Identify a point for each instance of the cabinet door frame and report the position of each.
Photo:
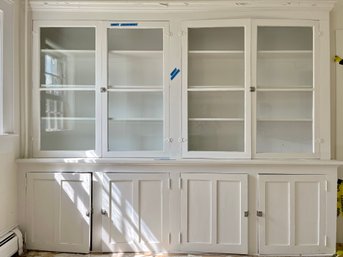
(165, 89)
(322, 247)
(106, 217)
(86, 208)
(316, 86)
(246, 24)
(214, 246)
(36, 121)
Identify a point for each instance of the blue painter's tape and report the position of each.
(175, 74)
(115, 24)
(128, 24)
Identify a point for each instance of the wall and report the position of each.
(337, 93)
(9, 143)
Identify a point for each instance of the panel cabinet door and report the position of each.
(215, 89)
(213, 210)
(135, 212)
(293, 214)
(58, 212)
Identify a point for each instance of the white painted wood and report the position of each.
(59, 211)
(294, 216)
(212, 212)
(137, 212)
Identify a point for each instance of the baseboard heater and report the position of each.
(11, 243)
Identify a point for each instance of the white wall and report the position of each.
(9, 144)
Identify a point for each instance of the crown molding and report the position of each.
(187, 5)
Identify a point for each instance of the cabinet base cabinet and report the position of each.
(135, 212)
(59, 211)
(213, 208)
(293, 214)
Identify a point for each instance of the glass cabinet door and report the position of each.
(136, 90)
(67, 83)
(285, 90)
(214, 89)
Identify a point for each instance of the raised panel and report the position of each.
(277, 213)
(151, 211)
(199, 211)
(43, 210)
(229, 199)
(307, 201)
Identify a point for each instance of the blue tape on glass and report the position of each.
(115, 24)
(175, 74)
(128, 24)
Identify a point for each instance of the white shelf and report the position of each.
(136, 52)
(216, 119)
(67, 87)
(69, 118)
(216, 52)
(134, 119)
(65, 51)
(284, 120)
(285, 89)
(262, 52)
(215, 88)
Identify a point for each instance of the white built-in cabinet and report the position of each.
(292, 214)
(59, 211)
(214, 212)
(135, 212)
(105, 89)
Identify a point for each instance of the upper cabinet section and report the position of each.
(227, 88)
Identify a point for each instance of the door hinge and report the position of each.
(180, 183)
(169, 183)
(180, 237)
(252, 89)
(259, 213)
(169, 238)
(246, 214)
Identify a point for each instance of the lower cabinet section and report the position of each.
(214, 210)
(59, 211)
(135, 212)
(292, 214)
(221, 212)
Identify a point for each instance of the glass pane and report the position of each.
(67, 120)
(135, 121)
(135, 58)
(216, 104)
(67, 135)
(284, 105)
(135, 135)
(216, 135)
(67, 57)
(216, 69)
(285, 57)
(216, 38)
(284, 137)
